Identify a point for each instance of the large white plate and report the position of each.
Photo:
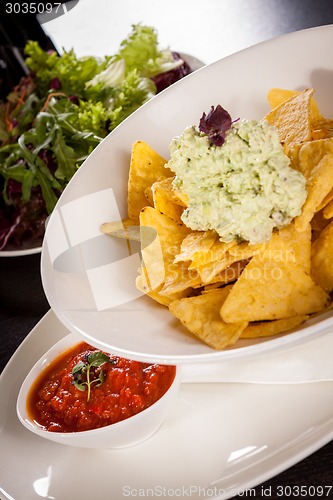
(89, 278)
(203, 446)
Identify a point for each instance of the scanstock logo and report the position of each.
(56, 9)
(90, 271)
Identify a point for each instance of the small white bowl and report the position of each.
(128, 432)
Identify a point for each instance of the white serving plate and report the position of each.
(88, 277)
(203, 447)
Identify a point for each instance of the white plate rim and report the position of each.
(20, 253)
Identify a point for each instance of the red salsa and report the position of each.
(59, 400)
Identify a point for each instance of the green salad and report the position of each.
(54, 118)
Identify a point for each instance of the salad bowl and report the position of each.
(63, 108)
(89, 278)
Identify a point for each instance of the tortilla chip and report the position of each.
(201, 316)
(293, 118)
(322, 129)
(310, 154)
(322, 259)
(121, 229)
(196, 245)
(211, 272)
(268, 328)
(164, 300)
(318, 223)
(230, 274)
(328, 210)
(165, 199)
(146, 167)
(216, 253)
(327, 200)
(149, 197)
(270, 290)
(277, 96)
(289, 245)
(223, 261)
(319, 185)
(161, 238)
(245, 250)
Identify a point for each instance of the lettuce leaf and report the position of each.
(71, 72)
(140, 51)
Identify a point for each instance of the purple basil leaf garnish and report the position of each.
(55, 83)
(215, 124)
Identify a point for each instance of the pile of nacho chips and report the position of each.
(222, 292)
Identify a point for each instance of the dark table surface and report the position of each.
(22, 299)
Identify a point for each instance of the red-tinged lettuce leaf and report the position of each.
(167, 78)
(8, 225)
(22, 222)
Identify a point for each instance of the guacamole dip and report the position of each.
(242, 189)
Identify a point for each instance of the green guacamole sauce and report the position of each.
(242, 189)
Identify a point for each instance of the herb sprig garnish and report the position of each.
(216, 124)
(85, 373)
